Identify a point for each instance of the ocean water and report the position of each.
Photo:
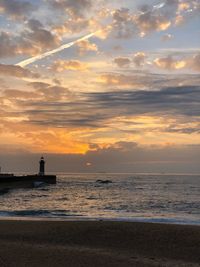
(130, 197)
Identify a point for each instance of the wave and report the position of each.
(38, 213)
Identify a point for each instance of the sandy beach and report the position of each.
(99, 243)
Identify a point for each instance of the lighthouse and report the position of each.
(42, 167)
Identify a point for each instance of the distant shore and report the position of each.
(98, 243)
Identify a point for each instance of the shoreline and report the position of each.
(99, 243)
(165, 221)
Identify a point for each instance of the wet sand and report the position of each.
(95, 244)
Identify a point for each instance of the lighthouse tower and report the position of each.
(42, 167)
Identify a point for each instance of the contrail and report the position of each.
(28, 61)
(156, 7)
(159, 6)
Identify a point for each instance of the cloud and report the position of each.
(13, 94)
(139, 59)
(17, 71)
(169, 63)
(122, 62)
(150, 21)
(93, 22)
(120, 80)
(72, 26)
(74, 65)
(81, 17)
(7, 48)
(120, 22)
(76, 8)
(48, 117)
(194, 63)
(56, 106)
(43, 92)
(47, 92)
(183, 6)
(38, 36)
(122, 25)
(85, 46)
(11, 45)
(16, 9)
(131, 157)
(173, 63)
(31, 41)
(147, 19)
(182, 128)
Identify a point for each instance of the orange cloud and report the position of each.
(126, 81)
(170, 63)
(85, 46)
(38, 139)
(74, 65)
(183, 6)
(149, 22)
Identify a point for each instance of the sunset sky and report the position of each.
(124, 99)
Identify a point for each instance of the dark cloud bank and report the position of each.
(121, 157)
(94, 109)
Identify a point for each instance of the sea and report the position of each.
(120, 197)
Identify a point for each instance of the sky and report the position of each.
(100, 86)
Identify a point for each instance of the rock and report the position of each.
(103, 181)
